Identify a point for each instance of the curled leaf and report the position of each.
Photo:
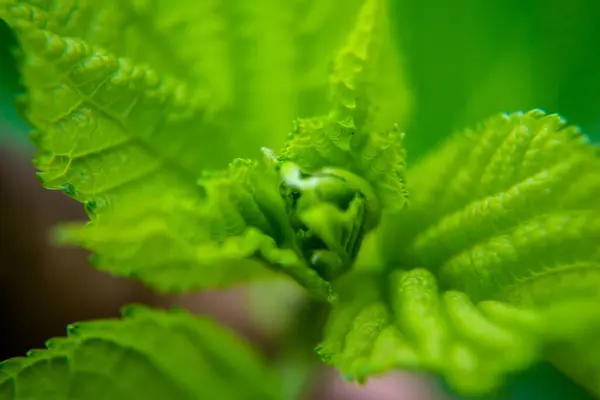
(355, 134)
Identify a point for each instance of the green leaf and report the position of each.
(255, 66)
(359, 134)
(484, 183)
(419, 327)
(340, 169)
(518, 206)
(129, 142)
(126, 126)
(179, 242)
(503, 225)
(148, 354)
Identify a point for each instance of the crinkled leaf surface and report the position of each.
(353, 148)
(360, 133)
(178, 242)
(253, 66)
(148, 354)
(131, 102)
(493, 264)
(499, 241)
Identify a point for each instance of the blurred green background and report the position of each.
(466, 60)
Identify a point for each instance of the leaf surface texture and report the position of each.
(148, 354)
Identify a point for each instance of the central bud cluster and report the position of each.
(330, 210)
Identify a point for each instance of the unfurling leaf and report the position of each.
(353, 135)
(146, 355)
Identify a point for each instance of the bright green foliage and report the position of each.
(350, 145)
(127, 125)
(493, 264)
(251, 68)
(148, 354)
(503, 227)
(238, 215)
(519, 203)
(355, 135)
(403, 321)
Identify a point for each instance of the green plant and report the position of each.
(132, 102)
